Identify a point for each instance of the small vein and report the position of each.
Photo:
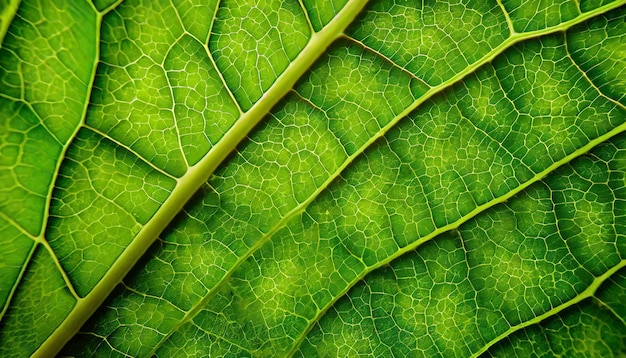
(182, 26)
(99, 194)
(586, 77)
(119, 144)
(608, 308)
(19, 227)
(306, 15)
(386, 59)
(172, 97)
(223, 80)
(221, 338)
(111, 7)
(42, 122)
(64, 275)
(212, 59)
(508, 18)
(17, 281)
(487, 134)
(321, 110)
(558, 224)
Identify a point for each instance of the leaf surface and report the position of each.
(304, 178)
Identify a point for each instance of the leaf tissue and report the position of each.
(313, 178)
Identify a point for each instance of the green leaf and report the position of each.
(312, 178)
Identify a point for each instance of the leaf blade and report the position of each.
(317, 172)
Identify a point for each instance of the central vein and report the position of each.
(197, 176)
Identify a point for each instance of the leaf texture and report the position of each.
(308, 178)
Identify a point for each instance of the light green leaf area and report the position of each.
(313, 178)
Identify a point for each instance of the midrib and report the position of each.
(196, 176)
